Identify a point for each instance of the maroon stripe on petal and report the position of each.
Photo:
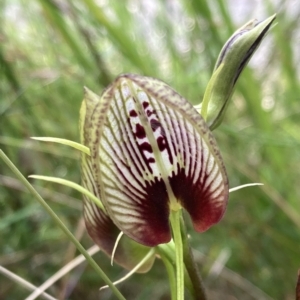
(200, 186)
(155, 212)
(204, 209)
(145, 221)
(104, 233)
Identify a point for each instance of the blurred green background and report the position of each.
(50, 49)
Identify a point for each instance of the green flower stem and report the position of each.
(61, 225)
(170, 270)
(167, 252)
(175, 224)
(191, 266)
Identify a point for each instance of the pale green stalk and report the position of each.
(191, 266)
(72, 185)
(66, 142)
(170, 270)
(175, 225)
(57, 220)
(167, 254)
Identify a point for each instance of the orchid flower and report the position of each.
(147, 154)
(151, 152)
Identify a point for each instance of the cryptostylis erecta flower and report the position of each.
(147, 153)
(150, 153)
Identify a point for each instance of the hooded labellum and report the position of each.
(151, 152)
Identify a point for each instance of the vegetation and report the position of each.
(50, 49)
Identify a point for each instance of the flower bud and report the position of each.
(232, 59)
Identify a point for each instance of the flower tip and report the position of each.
(41, 138)
(263, 27)
(273, 17)
(90, 97)
(267, 22)
(89, 94)
(86, 90)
